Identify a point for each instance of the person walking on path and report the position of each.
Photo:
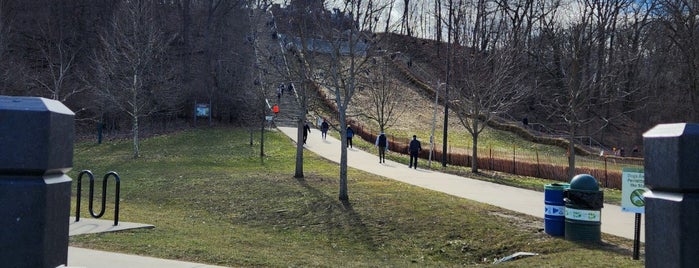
(306, 130)
(350, 134)
(279, 94)
(291, 88)
(414, 149)
(324, 129)
(382, 143)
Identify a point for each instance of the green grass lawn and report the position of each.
(214, 200)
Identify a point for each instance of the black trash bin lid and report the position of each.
(584, 182)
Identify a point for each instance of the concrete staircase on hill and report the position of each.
(288, 109)
(268, 38)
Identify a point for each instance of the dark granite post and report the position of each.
(36, 150)
(672, 205)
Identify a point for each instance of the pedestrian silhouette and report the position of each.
(324, 129)
(414, 149)
(350, 134)
(306, 130)
(382, 143)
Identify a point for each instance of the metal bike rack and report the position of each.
(104, 195)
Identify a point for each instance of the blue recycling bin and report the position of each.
(554, 208)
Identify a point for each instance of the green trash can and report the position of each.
(583, 204)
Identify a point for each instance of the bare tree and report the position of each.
(388, 16)
(582, 74)
(438, 25)
(185, 10)
(12, 66)
(216, 54)
(405, 19)
(260, 84)
(572, 78)
(372, 12)
(491, 84)
(290, 57)
(384, 95)
(682, 23)
(348, 53)
(130, 64)
(521, 16)
(302, 66)
(58, 53)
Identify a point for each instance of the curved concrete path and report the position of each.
(614, 221)
(88, 258)
(81, 257)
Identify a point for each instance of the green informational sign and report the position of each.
(632, 189)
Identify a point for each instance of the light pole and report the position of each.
(446, 88)
(434, 121)
(446, 124)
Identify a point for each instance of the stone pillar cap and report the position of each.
(36, 136)
(671, 161)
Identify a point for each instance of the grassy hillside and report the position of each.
(504, 147)
(214, 200)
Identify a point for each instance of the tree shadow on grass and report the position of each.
(614, 244)
(339, 218)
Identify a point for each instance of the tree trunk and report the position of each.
(299, 148)
(474, 135)
(136, 150)
(262, 139)
(388, 19)
(303, 95)
(474, 166)
(343, 155)
(571, 153)
(134, 113)
(446, 88)
(186, 57)
(405, 20)
(438, 25)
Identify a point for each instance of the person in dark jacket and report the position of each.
(324, 129)
(306, 130)
(350, 134)
(414, 149)
(382, 143)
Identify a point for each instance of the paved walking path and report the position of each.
(520, 200)
(93, 226)
(88, 258)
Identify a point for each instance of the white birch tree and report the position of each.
(129, 64)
